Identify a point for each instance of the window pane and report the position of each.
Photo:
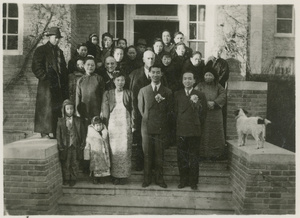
(120, 29)
(193, 31)
(198, 46)
(4, 25)
(12, 42)
(111, 12)
(111, 28)
(193, 12)
(284, 26)
(284, 65)
(12, 10)
(201, 29)
(4, 10)
(285, 11)
(201, 13)
(163, 10)
(4, 42)
(13, 26)
(120, 12)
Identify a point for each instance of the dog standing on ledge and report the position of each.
(256, 126)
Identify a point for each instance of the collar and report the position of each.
(146, 72)
(189, 91)
(110, 74)
(157, 85)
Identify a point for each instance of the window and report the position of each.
(116, 20)
(285, 18)
(12, 36)
(284, 66)
(197, 27)
(156, 10)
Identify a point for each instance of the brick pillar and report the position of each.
(262, 180)
(251, 96)
(32, 177)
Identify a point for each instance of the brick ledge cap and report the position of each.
(247, 85)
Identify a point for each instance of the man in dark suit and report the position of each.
(49, 66)
(190, 109)
(139, 78)
(155, 106)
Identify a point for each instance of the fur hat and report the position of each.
(141, 42)
(213, 72)
(66, 102)
(54, 31)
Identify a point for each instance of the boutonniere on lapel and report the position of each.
(159, 98)
(195, 101)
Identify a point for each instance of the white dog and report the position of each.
(256, 126)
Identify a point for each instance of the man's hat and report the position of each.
(141, 42)
(54, 31)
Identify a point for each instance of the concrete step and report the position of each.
(119, 205)
(208, 176)
(135, 189)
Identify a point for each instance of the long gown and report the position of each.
(120, 139)
(213, 139)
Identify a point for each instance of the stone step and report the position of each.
(210, 176)
(135, 189)
(119, 205)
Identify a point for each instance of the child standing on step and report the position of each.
(96, 150)
(70, 141)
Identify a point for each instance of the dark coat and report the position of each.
(221, 67)
(109, 103)
(198, 71)
(52, 87)
(79, 135)
(190, 116)
(155, 116)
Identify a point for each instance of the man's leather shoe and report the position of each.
(145, 184)
(182, 185)
(163, 185)
(194, 187)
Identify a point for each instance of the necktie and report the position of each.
(187, 93)
(155, 89)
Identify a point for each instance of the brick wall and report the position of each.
(32, 177)
(251, 96)
(263, 181)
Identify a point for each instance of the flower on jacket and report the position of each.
(194, 98)
(159, 98)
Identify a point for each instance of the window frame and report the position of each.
(292, 34)
(20, 19)
(115, 21)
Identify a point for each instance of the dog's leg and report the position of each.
(244, 139)
(262, 139)
(257, 139)
(240, 138)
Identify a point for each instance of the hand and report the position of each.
(211, 105)
(101, 115)
(133, 129)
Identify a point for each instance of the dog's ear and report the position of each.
(246, 112)
(267, 121)
(236, 112)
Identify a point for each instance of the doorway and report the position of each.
(149, 29)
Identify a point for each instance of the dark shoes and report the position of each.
(182, 185)
(163, 185)
(65, 182)
(194, 187)
(145, 184)
(72, 182)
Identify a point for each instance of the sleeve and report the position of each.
(224, 74)
(78, 97)
(170, 106)
(105, 107)
(141, 103)
(60, 144)
(133, 111)
(64, 77)
(82, 133)
(221, 98)
(39, 64)
(203, 111)
(101, 87)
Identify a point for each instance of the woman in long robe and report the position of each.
(213, 139)
(118, 113)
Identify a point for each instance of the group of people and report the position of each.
(111, 97)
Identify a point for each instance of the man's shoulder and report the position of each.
(136, 72)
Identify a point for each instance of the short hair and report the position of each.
(188, 72)
(179, 44)
(196, 52)
(117, 47)
(96, 120)
(93, 35)
(178, 33)
(157, 40)
(118, 74)
(155, 66)
(129, 47)
(89, 57)
(109, 57)
(81, 45)
(167, 54)
(165, 30)
(79, 59)
(123, 40)
(108, 35)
